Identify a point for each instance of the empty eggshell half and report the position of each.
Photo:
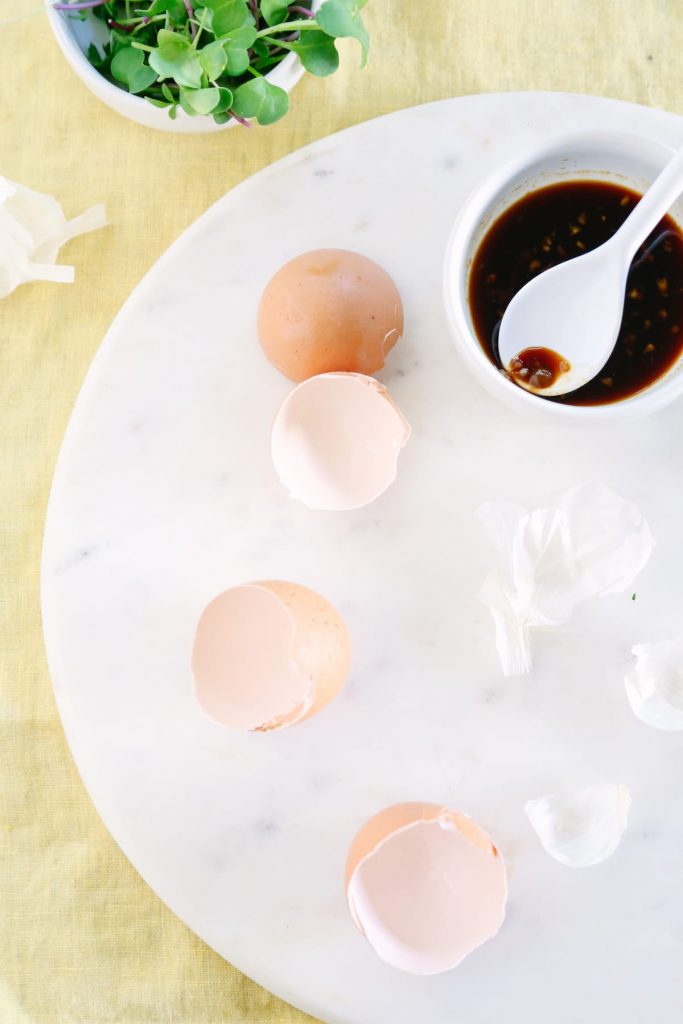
(268, 654)
(328, 310)
(336, 441)
(425, 886)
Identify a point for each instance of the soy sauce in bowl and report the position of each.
(558, 222)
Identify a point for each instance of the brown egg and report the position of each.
(329, 310)
(268, 654)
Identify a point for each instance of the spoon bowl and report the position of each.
(575, 309)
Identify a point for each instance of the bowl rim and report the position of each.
(457, 260)
(286, 74)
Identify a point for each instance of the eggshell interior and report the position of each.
(426, 886)
(328, 310)
(336, 440)
(268, 654)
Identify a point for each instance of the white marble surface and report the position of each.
(164, 495)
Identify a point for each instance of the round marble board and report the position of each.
(165, 495)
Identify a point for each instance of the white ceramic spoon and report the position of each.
(575, 309)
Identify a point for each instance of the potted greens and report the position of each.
(202, 65)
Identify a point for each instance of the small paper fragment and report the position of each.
(588, 542)
(582, 828)
(32, 230)
(654, 685)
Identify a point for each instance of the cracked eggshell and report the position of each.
(425, 886)
(582, 828)
(654, 685)
(269, 654)
(336, 441)
(329, 310)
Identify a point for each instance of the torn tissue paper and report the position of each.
(655, 684)
(582, 828)
(32, 230)
(586, 543)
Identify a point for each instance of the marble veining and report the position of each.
(165, 481)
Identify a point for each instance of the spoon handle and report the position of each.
(659, 198)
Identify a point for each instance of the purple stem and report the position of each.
(302, 10)
(121, 28)
(84, 5)
(190, 14)
(240, 120)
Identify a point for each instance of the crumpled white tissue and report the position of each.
(655, 684)
(581, 828)
(32, 230)
(586, 543)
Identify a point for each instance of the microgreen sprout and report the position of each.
(212, 57)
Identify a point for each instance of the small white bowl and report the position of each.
(627, 160)
(75, 36)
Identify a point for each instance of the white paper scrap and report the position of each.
(654, 685)
(586, 543)
(582, 828)
(32, 230)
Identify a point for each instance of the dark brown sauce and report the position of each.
(554, 224)
(537, 367)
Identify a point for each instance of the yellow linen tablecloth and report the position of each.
(82, 938)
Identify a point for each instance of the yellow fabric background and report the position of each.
(82, 939)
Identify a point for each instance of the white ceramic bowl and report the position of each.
(74, 37)
(625, 159)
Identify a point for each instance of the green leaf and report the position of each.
(317, 52)
(260, 48)
(204, 16)
(274, 11)
(213, 60)
(236, 46)
(172, 46)
(141, 79)
(203, 101)
(100, 60)
(241, 38)
(341, 19)
(175, 9)
(224, 102)
(167, 93)
(228, 15)
(238, 62)
(125, 62)
(173, 111)
(259, 99)
(126, 65)
(221, 117)
(185, 103)
(155, 102)
(187, 73)
(176, 59)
